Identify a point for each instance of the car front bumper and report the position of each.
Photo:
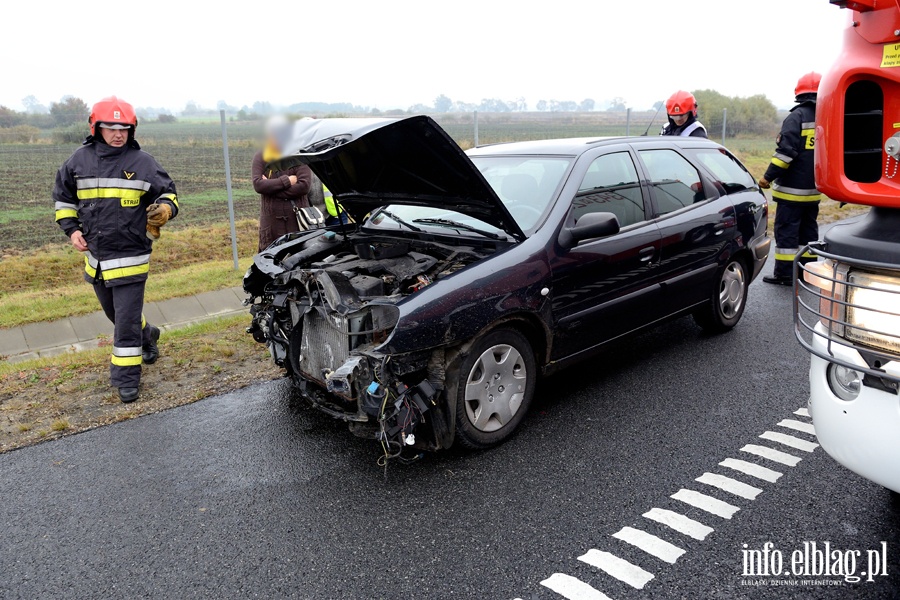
(863, 435)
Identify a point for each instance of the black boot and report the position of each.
(151, 349)
(128, 394)
(777, 280)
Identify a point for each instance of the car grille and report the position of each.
(324, 346)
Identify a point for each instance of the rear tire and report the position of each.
(494, 389)
(727, 300)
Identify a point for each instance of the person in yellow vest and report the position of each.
(336, 213)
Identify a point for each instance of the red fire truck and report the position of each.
(847, 304)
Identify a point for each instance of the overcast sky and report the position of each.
(393, 54)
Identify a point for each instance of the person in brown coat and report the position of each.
(278, 188)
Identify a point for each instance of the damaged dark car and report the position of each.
(464, 277)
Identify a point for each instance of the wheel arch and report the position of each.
(527, 324)
(746, 257)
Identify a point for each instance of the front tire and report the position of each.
(495, 388)
(727, 300)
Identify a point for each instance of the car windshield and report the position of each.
(525, 184)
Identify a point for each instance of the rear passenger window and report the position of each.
(611, 185)
(729, 173)
(676, 182)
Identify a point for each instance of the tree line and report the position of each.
(68, 120)
(754, 115)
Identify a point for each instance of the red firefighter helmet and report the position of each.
(681, 103)
(808, 84)
(114, 111)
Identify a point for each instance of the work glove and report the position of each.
(763, 183)
(157, 216)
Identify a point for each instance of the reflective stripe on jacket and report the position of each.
(792, 171)
(104, 192)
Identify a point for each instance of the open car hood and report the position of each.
(368, 163)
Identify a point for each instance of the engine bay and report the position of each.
(324, 303)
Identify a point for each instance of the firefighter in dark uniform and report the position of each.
(111, 198)
(792, 179)
(681, 107)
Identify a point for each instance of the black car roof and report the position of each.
(578, 146)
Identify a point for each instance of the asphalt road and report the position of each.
(251, 495)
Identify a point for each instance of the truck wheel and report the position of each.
(727, 301)
(495, 388)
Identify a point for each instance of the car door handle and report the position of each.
(647, 253)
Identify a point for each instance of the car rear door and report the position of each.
(696, 225)
(605, 287)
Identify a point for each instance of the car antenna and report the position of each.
(658, 108)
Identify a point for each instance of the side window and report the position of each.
(729, 173)
(676, 182)
(611, 184)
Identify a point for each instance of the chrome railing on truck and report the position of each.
(852, 303)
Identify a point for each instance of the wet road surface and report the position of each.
(252, 495)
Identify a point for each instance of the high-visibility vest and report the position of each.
(330, 204)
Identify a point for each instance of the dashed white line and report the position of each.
(798, 426)
(680, 523)
(707, 503)
(773, 455)
(650, 544)
(572, 588)
(789, 440)
(732, 486)
(751, 469)
(621, 569)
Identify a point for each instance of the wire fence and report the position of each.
(192, 153)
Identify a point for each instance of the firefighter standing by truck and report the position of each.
(111, 198)
(792, 179)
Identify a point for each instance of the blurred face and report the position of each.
(679, 120)
(114, 137)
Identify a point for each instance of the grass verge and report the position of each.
(50, 397)
(48, 284)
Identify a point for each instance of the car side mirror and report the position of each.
(588, 227)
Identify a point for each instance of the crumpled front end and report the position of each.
(325, 306)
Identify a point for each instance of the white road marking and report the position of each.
(650, 544)
(633, 575)
(773, 455)
(732, 486)
(798, 426)
(572, 588)
(679, 523)
(751, 469)
(621, 569)
(789, 440)
(707, 503)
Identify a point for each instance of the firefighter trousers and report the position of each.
(124, 305)
(795, 226)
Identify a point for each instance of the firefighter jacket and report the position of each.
(104, 192)
(792, 168)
